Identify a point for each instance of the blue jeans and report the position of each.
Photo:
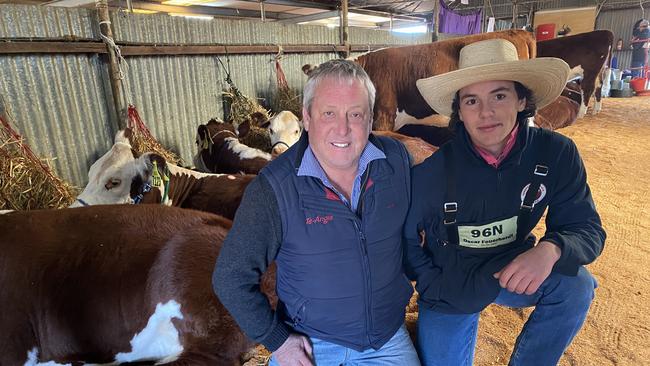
(561, 306)
(398, 350)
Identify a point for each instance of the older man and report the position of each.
(330, 212)
(480, 197)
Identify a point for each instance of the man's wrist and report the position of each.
(551, 248)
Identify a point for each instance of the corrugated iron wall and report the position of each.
(62, 104)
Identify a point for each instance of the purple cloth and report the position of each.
(451, 22)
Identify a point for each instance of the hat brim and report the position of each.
(545, 77)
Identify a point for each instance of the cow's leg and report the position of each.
(598, 96)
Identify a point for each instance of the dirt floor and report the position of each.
(614, 147)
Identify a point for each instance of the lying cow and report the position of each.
(220, 151)
(216, 193)
(568, 107)
(590, 51)
(114, 284)
(394, 72)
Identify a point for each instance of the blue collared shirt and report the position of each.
(312, 168)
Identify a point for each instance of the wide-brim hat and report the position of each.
(495, 59)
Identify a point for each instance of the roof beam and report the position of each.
(311, 17)
(199, 10)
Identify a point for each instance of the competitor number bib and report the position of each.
(488, 235)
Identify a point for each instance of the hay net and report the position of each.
(26, 181)
(142, 140)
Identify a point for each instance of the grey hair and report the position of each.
(344, 70)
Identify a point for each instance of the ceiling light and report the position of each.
(202, 17)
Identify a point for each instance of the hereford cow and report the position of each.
(220, 151)
(284, 129)
(114, 284)
(216, 193)
(394, 72)
(588, 50)
(564, 110)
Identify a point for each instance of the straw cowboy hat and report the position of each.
(495, 59)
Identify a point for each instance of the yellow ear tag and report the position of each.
(156, 180)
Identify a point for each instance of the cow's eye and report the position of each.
(271, 131)
(114, 182)
(296, 132)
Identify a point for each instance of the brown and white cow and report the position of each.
(590, 51)
(114, 284)
(216, 193)
(568, 107)
(220, 151)
(394, 72)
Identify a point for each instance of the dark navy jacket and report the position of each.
(456, 278)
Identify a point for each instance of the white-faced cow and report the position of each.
(220, 151)
(394, 72)
(173, 186)
(114, 284)
(590, 51)
(284, 129)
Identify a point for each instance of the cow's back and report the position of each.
(394, 71)
(78, 284)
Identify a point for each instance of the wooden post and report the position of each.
(344, 27)
(113, 68)
(434, 20)
(514, 14)
(262, 11)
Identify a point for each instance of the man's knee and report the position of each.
(580, 288)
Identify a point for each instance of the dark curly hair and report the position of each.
(522, 92)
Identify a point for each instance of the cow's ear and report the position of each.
(159, 159)
(258, 118)
(308, 69)
(244, 128)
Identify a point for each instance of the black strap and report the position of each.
(538, 175)
(450, 207)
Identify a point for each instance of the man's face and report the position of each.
(338, 124)
(489, 110)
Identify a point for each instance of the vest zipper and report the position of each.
(366, 275)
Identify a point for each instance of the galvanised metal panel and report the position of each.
(165, 29)
(28, 21)
(372, 36)
(59, 106)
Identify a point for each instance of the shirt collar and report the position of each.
(510, 143)
(311, 167)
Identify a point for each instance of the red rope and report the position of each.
(282, 80)
(136, 123)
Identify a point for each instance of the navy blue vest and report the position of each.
(340, 275)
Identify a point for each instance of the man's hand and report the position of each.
(295, 351)
(527, 272)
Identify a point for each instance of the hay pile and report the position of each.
(286, 99)
(142, 140)
(27, 182)
(242, 107)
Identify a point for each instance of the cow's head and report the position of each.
(284, 129)
(117, 177)
(209, 138)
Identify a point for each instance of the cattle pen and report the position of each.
(67, 93)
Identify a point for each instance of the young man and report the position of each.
(330, 212)
(639, 43)
(478, 199)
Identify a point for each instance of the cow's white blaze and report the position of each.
(32, 360)
(285, 128)
(159, 339)
(402, 118)
(245, 152)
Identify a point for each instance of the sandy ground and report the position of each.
(614, 147)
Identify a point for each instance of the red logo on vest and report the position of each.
(319, 220)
